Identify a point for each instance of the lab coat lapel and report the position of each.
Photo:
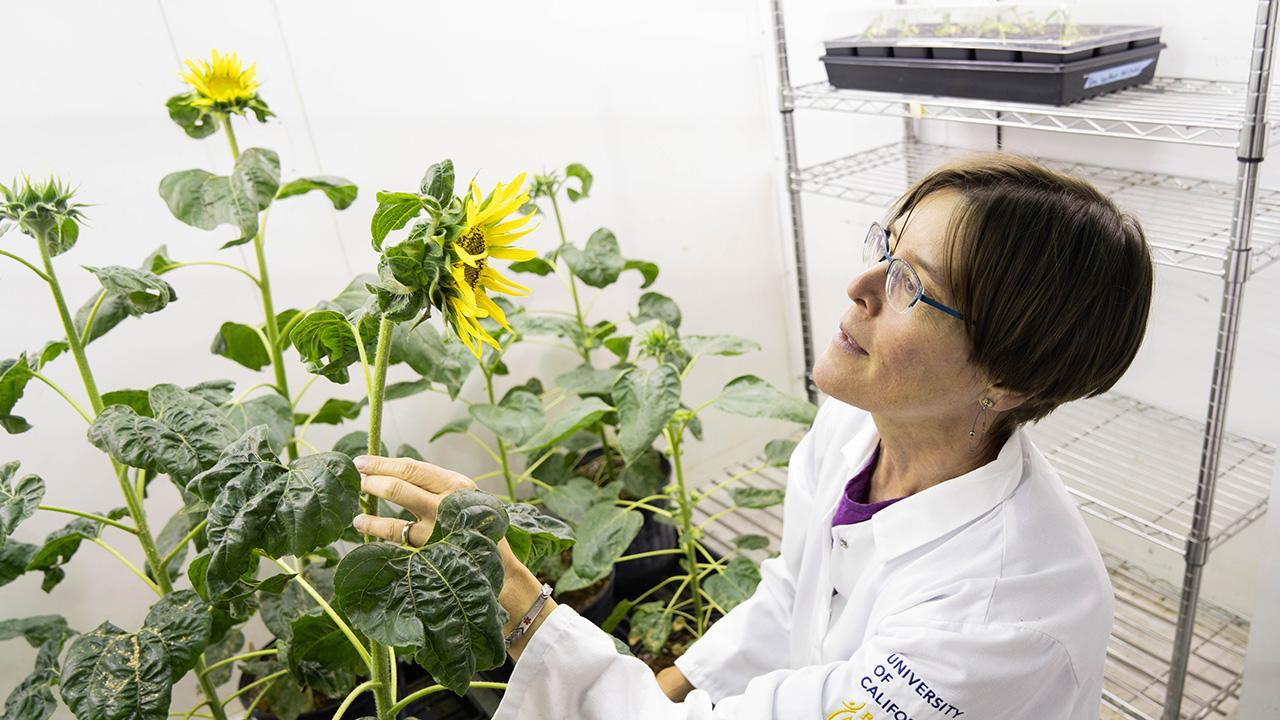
(936, 511)
(812, 616)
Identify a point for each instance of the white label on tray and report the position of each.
(1116, 74)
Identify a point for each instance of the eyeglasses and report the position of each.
(902, 284)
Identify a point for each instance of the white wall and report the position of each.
(671, 104)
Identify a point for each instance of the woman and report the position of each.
(932, 564)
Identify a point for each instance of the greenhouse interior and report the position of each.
(777, 359)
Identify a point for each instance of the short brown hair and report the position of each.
(1054, 280)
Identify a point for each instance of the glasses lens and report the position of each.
(901, 286)
(875, 247)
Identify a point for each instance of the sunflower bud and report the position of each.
(43, 210)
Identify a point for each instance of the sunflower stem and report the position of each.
(687, 538)
(502, 448)
(225, 120)
(582, 330)
(379, 661)
(133, 500)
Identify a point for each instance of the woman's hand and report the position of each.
(414, 485)
(419, 487)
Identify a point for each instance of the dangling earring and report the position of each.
(975, 438)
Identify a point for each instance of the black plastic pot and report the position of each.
(636, 576)
(410, 677)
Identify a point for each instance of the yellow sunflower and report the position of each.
(223, 84)
(488, 236)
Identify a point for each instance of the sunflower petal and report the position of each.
(491, 278)
(512, 253)
(494, 310)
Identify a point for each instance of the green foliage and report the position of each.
(204, 200)
(729, 587)
(18, 500)
(753, 397)
(258, 503)
(439, 600)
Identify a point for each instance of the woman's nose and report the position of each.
(866, 289)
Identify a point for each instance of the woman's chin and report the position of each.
(835, 372)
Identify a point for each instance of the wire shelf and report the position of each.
(1136, 467)
(1176, 110)
(1187, 220)
(1138, 654)
(1146, 612)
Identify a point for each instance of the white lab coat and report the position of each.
(983, 597)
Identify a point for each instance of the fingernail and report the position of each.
(360, 522)
(361, 462)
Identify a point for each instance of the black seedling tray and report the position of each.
(1019, 75)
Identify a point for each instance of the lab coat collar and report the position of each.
(936, 511)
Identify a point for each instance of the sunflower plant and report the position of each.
(252, 495)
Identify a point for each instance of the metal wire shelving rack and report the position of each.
(1184, 485)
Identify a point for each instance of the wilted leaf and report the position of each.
(205, 200)
(600, 263)
(651, 625)
(142, 292)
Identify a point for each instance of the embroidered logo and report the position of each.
(849, 711)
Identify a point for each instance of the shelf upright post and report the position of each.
(1250, 152)
(786, 106)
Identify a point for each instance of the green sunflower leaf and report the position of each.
(440, 599)
(183, 622)
(18, 501)
(395, 210)
(646, 400)
(241, 343)
(204, 200)
(600, 263)
(340, 191)
(14, 376)
(656, 306)
(327, 343)
(753, 397)
(757, 498)
(579, 171)
(185, 436)
(651, 625)
(516, 419)
(271, 410)
(646, 269)
(143, 292)
(583, 414)
(534, 535)
(602, 537)
(729, 587)
(438, 181)
(777, 453)
(257, 503)
(718, 345)
(110, 673)
(196, 122)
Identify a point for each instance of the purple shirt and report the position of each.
(853, 507)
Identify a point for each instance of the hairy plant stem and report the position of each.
(264, 288)
(687, 539)
(582, 328)
(379, 660)
(132, 499)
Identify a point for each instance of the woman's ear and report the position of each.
(1005, 399)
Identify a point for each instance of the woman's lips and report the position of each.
(847, 344)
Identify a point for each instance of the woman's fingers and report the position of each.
(402, 493)
(392, 528)
(425, 475)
